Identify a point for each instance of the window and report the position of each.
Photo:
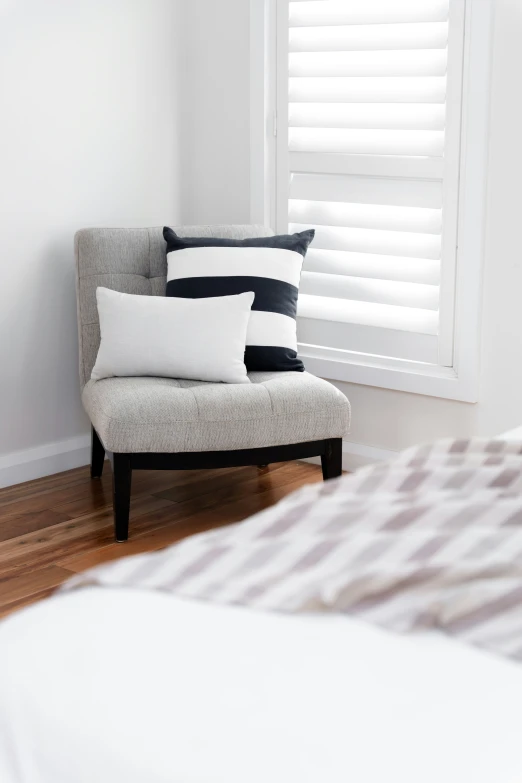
(373, 107)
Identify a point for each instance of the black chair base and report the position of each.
(329, 450)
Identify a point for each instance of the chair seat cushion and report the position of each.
(170, 416)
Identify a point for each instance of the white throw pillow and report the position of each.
(202, 339)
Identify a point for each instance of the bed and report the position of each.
(142, 687)
(111, 682)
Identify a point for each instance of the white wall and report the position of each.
(215, 111)
(381, 418)
(88, 137)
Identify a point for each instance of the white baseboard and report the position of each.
(44, 460)
(356, 455)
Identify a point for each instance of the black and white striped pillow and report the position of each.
(268, 266)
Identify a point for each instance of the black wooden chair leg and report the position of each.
(121, 489)
(97, 455)
(332, 459)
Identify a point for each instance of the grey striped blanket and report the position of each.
(431, 539)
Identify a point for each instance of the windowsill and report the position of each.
(389, 373)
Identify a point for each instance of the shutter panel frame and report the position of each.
(363, 159)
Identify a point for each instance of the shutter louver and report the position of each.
(361, 158)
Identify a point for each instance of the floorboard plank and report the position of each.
(244, 480)
(23, 524)
(50, 498)
(17, 491)
(25, 585)
(89, 532)
(156, 481)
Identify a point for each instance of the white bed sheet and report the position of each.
(515, 434)
(103, 686)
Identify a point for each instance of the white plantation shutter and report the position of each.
(368, 118)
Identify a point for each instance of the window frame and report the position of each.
(460, 347)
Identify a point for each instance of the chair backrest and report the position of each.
(131, 260)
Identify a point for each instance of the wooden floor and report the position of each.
(56, 526)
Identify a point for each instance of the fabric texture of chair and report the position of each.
(164, 415)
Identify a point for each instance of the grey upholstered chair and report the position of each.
(162, 423)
